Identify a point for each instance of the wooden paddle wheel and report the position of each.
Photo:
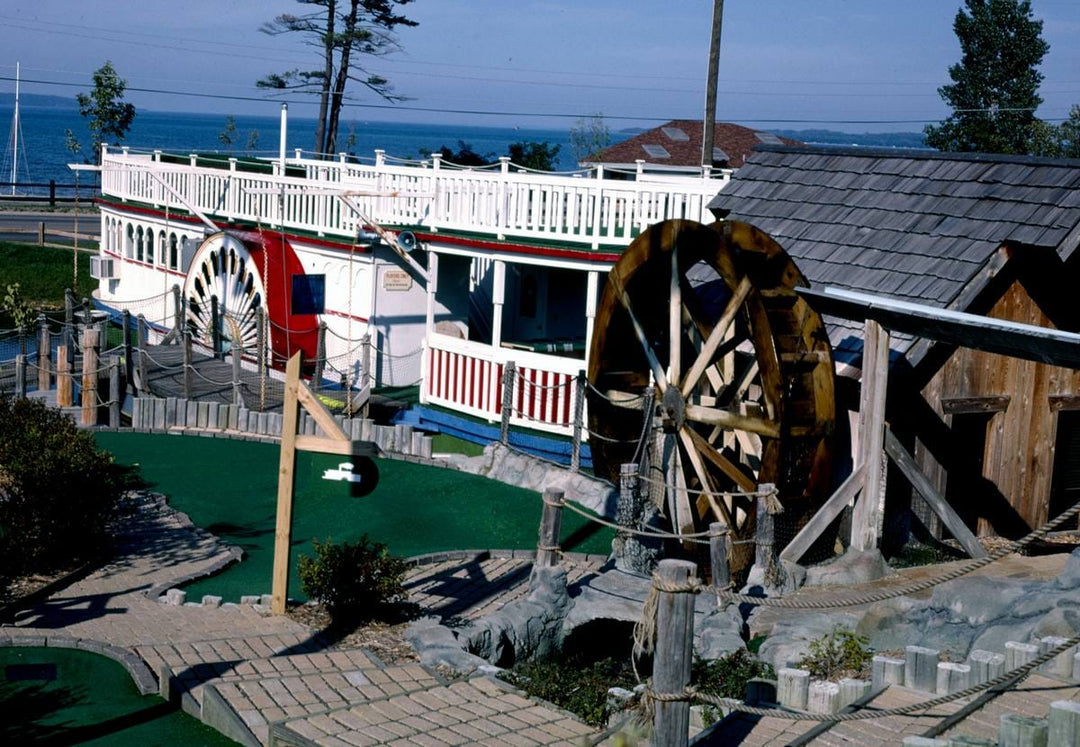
(740, 369)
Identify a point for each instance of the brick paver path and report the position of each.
(248, 673)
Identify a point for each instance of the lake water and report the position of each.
(43, 134)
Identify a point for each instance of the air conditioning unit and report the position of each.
(103, 268)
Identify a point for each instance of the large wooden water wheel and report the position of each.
(740, 369)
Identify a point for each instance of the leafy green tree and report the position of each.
(228, 134)
(464, 156)
(344, 31)
(108, 116)
(589, 135)
(1068, 135)
(252, 141)
(537, 156)
(17, 307)
(994, 93)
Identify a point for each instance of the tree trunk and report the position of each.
(338, 97)
(328, 74)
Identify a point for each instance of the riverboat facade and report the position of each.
(415, 272)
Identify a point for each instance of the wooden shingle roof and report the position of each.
(913, 225)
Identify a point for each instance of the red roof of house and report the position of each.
(680, 140)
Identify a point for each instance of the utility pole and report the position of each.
(710, 90)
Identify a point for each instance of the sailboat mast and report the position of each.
(15, 134)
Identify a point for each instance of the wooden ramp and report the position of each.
(210, 380)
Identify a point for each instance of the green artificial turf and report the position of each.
(230, 488)
(42, 273)
(91, 700)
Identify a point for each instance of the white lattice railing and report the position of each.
(468, 377)
(584, 210)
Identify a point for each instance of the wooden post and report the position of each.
(286, 485)
(20, 376)
(866, 517)
(114, 393)
(320, 358)
(579, 414)
(1064, 722)
(69, 307)
(719, 542)
(129, 363)
(367, 378)
(671, 661)
(547, 549)
(88, 317)
(143, 339)
(89, 376)
(44, 357)
(178, 313)
(187, 365)
(21, 339)
(215, 327)
(765, 532)
(41, 233)
(52, 193)
(63, 377)
(509, 377)
(237, 384)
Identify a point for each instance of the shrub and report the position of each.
(58, 493)
(726, 677)
(573, 683)
(838, 653)
(355, 580)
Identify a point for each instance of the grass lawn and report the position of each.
(42, 273)
(230, 488)
(55, 696)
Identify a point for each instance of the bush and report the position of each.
(726, 677)
(354, 580)
(839, 653)
(58, 493)
(573, 683)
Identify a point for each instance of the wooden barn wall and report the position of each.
(1018, 457)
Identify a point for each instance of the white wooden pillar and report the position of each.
(592, 285)
(866, 518)
(432, 289)
(498, 297)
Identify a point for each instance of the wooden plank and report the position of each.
(825, 516)
(966, 405)
(906, 463)
(318, 411)
(286, 486)
(325, 445)
(875, 377)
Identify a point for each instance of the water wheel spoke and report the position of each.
(721, 462)
(639, 333)
(678, 499)
(720, 510)
(675, 319)
(716, 337)
(732, 420)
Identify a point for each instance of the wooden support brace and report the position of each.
(286, 486)
(825, 516)
(866, 517)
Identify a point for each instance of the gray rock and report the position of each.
(853, 567)
(719, 633)
(790, 638)
(438, 646)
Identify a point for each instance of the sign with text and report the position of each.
(396, 280)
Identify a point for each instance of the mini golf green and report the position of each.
(57, 696)
(230, 488)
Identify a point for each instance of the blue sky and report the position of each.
(855, 65)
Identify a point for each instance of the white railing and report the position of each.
(468, 377)
(504, 203)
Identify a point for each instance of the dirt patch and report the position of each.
(385, 640)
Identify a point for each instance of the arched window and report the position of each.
(140, 254)
(163, 258)
(129, 244)
(150, 245)
(174, 254)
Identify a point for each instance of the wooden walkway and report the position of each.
(973, 717)
(211, 379)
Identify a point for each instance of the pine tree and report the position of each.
(109, 116)
(994, 93)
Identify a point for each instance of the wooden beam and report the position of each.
(1064, 402)
(286, 486)
(825, 516)
(318, 411)
(973, 405)
(335, 446)
(875, 376)
(910, 469)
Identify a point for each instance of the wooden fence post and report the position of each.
(866, 516)
(547, 549)
(579, 414)
(215, 327)
(719, 542)
(178, 313)
(63, 377)
(114, 393)
(142, 341)
(41, 233)
(129, 364)
(20, 376)
(187, 365)
(69, 307)
(320, 358)
(671, 660)
(765, 532)
(89, 376)
(88, 317)
(44, 357)
(509, 377)
(367, 378)
(237, 384)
